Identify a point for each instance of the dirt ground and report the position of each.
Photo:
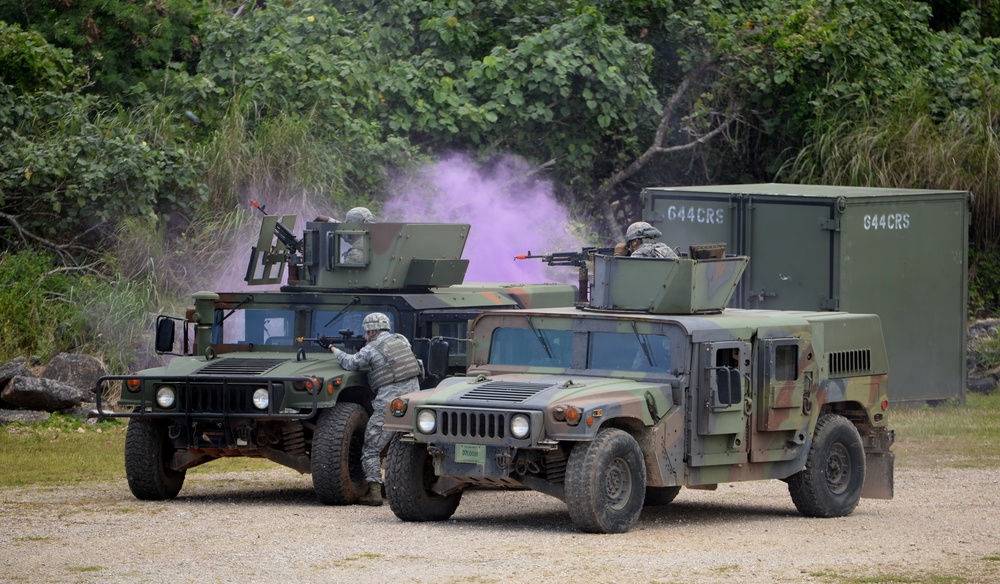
(943, 526)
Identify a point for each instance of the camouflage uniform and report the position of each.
(388, 357)
(356, 255)
(654, 249)
(644, 234)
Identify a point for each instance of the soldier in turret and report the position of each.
(393, 370)
(639, 242)
(356, 254)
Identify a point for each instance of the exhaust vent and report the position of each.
(848, 363)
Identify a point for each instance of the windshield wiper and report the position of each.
(352, 302)
(235, 308)
(541, 339)
(642, 343)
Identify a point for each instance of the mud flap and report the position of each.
(879, 468)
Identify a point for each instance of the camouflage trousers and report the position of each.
(375, 438)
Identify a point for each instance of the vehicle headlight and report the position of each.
(520, 426)
(427, 421)
(261, 399)
(166, 396)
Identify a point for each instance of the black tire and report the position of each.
(338, 477)
(831, 483)
(409, 475)
(147, 452)
(606, 483)
(659, 496)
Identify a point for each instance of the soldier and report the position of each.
(639, 242)
(392, 371)
(356, 254)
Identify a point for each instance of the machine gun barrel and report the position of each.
(283, 234)
(578, 259)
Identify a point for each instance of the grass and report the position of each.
(949, 435)
(66, 451)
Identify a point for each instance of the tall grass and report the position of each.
(261, 152)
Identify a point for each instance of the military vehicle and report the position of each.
(649, 387)
(252, 378)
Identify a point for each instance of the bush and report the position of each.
(29, 63)
(68, 164)
(38, 314)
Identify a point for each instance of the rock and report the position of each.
(983, 385)
(984, 328)
(26, 416)
(34, 393)
(86, 412)
(12, 369)
(80, 371)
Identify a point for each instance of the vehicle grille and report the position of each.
(239, 366)
(465, 424)
(504, 391)
(208, 397)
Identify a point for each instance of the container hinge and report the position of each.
(830, 224)
(829, 304)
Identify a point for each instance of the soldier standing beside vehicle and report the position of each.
(639, 242)
(392, 371)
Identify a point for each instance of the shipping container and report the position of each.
(899, 253)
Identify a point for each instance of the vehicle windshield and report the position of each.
(605, 350)
(246, 326)
(629, 351)
(532, 347)
(329, 323)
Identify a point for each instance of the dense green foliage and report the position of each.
(131, 132)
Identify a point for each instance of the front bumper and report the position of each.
(215, 397)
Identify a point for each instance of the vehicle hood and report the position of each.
(539, 392)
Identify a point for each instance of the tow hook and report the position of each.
(243, 435)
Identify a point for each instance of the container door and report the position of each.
(791, 243)
(905, 260)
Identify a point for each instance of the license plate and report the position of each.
(470, 453)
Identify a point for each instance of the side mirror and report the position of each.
(164, 334)
(437, 358)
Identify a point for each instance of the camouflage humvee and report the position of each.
(251, 381)
(649, 388)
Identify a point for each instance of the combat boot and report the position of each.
(373, 497)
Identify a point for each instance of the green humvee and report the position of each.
(250, 378)
(651, 387)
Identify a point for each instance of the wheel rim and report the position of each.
(618, 483)
(838, 469)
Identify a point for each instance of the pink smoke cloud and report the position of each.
(510, 214)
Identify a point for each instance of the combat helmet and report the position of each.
(359, 215)
(376, 321)
(641, 230)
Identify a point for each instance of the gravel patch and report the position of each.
(267, 526)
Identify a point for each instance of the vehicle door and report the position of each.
(786, 370)
(722, 404)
